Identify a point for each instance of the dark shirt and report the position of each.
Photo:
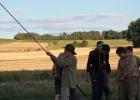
(93, 61)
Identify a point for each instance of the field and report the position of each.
(25, 67)
(24, 55)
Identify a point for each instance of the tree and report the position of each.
(84, 43)
(133, 33)
(75, 43)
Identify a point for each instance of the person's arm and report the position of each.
(88, 66)
(138, 61)
(118, 74)
(61, 62)
(108, 68)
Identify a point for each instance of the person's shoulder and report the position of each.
(137, 57)
(73, 57)
(94, 51)
(131, 57)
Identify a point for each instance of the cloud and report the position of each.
(10, 28)
(17, 10)
(69, 23)
(108, 15)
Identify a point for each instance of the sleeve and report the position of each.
(138, 61)
(130, 66)
(89, 62)
(63, 62)
(118, 73)
(108, 68)
(53, 70)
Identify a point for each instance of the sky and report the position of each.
(57, 16)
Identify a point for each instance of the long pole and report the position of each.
(23, 27)
(82, 91)
(35, 41)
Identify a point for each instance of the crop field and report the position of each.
(24, 66)
(25, 56)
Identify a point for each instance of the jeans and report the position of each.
(97, 80)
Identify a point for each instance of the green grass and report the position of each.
(91, 43)
(13, 40)
(39, 85)
(2, 41)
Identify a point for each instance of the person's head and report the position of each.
(129, 50)
(69, 50)
(61, 56)
(99, 45)
(121, 52)
(105, 49)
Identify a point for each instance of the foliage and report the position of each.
(133, 33)
(83, 44)
(113, 34)
(79, 35)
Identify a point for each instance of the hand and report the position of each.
(122, 78)
(108, 78)
(116, 84)
(87, 76)
(48, 53)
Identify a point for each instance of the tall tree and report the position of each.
(133, 33)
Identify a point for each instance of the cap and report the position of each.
(71, 48)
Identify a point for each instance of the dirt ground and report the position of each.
(38, 60)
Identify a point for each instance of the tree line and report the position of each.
(131, 34)
(94, 35)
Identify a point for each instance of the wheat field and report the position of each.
(38, 60)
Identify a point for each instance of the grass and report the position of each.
(91, 43)
(2, 41)
(39, 85)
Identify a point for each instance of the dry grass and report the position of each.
(38, 60)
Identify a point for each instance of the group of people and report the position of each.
(98, 72)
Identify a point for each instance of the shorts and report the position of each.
(57, 85)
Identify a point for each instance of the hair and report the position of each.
(99, 42)
(61, 55)
(129, 48)
(70, 48)
(120, 50)
(106, 48)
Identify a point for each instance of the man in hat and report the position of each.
(126, 75)
(97, 66)
(69, 64)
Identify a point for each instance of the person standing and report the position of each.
(107, 75)
(126, 75)
(69, 64)
(129, 50)
(97, 66)
(57, 72)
